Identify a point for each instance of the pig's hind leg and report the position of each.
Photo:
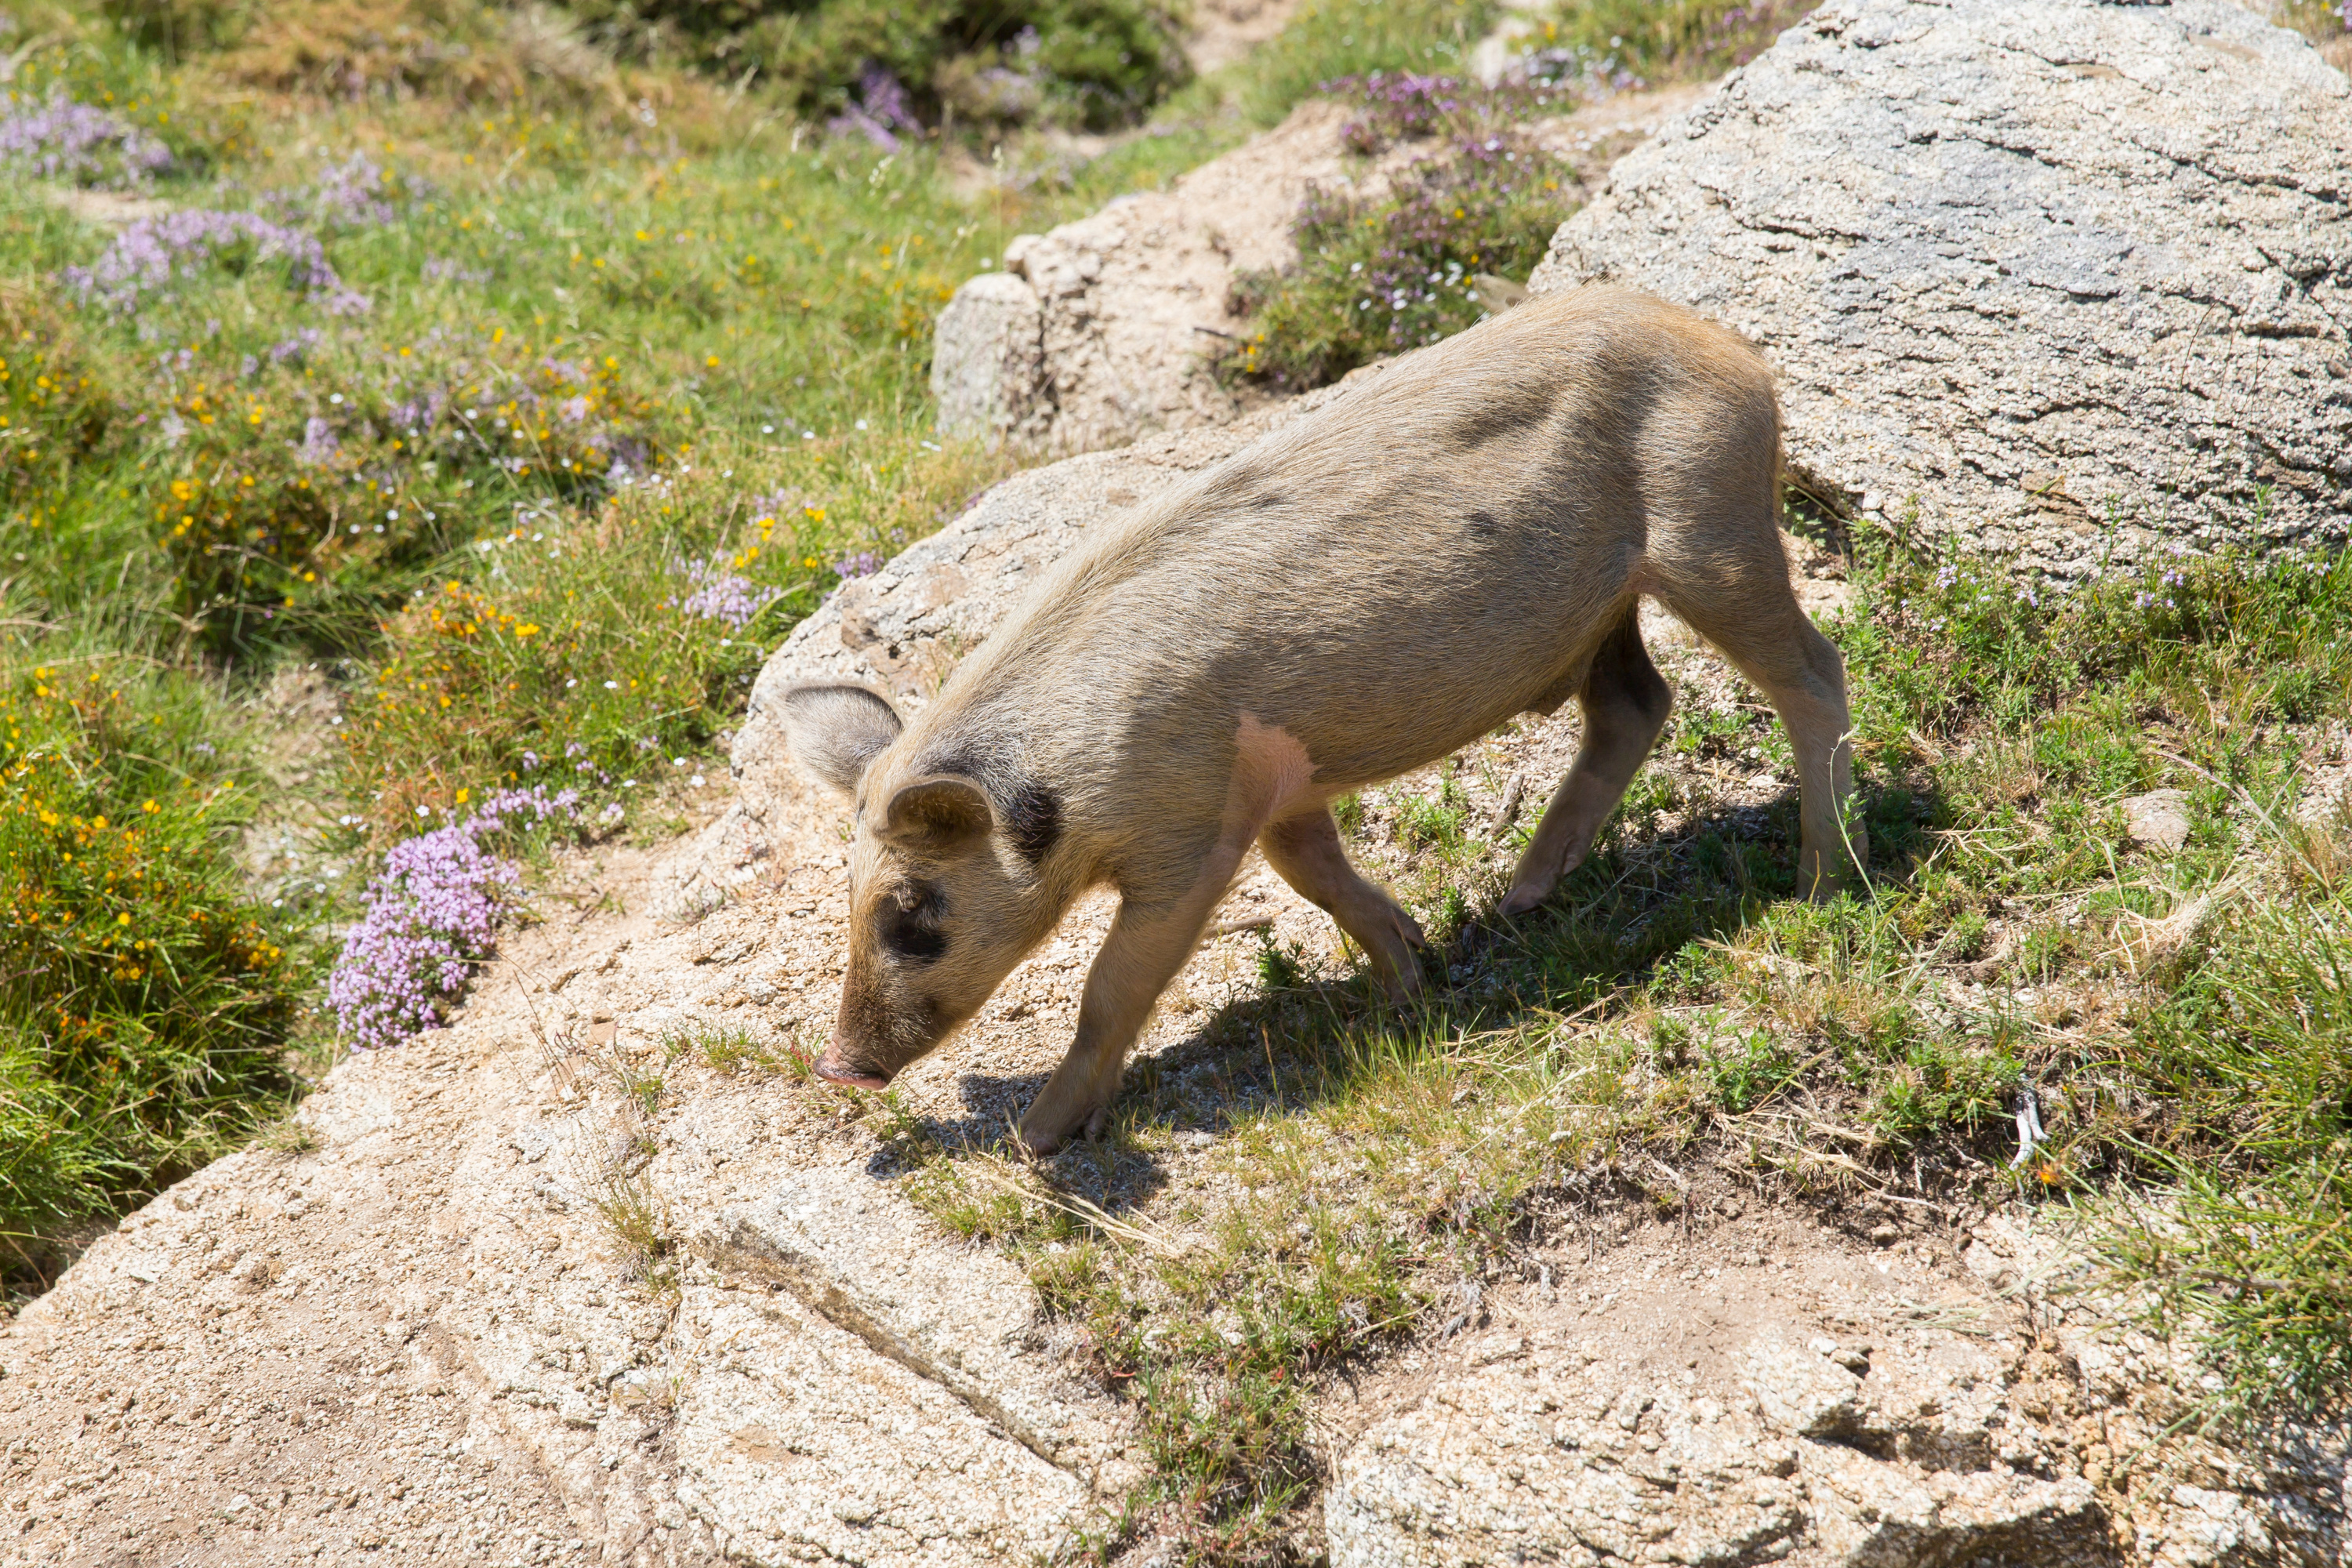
(1305, 852)
(1761, 629)
(1625, 703)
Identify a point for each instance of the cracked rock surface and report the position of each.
(2055, 276)
(1815, 1406)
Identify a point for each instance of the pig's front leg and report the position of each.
(1146, 947)
(1306, 852)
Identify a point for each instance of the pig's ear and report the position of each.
(835, 731)
(945, 813)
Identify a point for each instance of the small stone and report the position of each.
(2158, 820)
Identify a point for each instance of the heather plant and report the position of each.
(152, 254)
(1335, 41)
(430, 914)
(353, 192)
(80, 144)
(1381, 274)
(721, 593)
(114, 110)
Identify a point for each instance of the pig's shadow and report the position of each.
(1286, 1047)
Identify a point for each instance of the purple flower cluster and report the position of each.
(720, 593)
(1395, 108)
(432, 914)
(147, 256)
(865, 564)
(351, 193)
(442, 269)
(881, 111)
(299, 346)
(62, 140)
(320, 446)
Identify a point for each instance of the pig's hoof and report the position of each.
(1036, 1145)
(1524, 900)
(1040, 1145)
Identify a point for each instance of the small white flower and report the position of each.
(696, 780)
(611, 686)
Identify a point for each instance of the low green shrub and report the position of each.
(896, 67)
(593, 650)
(55, 407)
(146, 1001)
(1381, 274)
(298, 495)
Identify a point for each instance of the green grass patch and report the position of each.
(146, 1000)
(1674, 1021)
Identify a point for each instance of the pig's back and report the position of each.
(1400, 571)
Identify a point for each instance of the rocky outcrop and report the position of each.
(1109, 328)
(2001, 1417)
(1106, 329)
(548, 1286)
(2056, 277)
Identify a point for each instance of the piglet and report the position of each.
(1465, 537)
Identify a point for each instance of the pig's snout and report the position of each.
(833, 1069)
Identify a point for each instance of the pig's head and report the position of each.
(944, 891)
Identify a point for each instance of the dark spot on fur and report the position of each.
(1034, 819)
(1482, 524)
(910, 923)
(1501, 420)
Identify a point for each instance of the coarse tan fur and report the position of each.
(1464, 537)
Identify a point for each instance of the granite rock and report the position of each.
(2061, 278)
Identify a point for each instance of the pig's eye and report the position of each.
(910, 924)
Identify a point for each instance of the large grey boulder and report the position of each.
(2058, 277)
